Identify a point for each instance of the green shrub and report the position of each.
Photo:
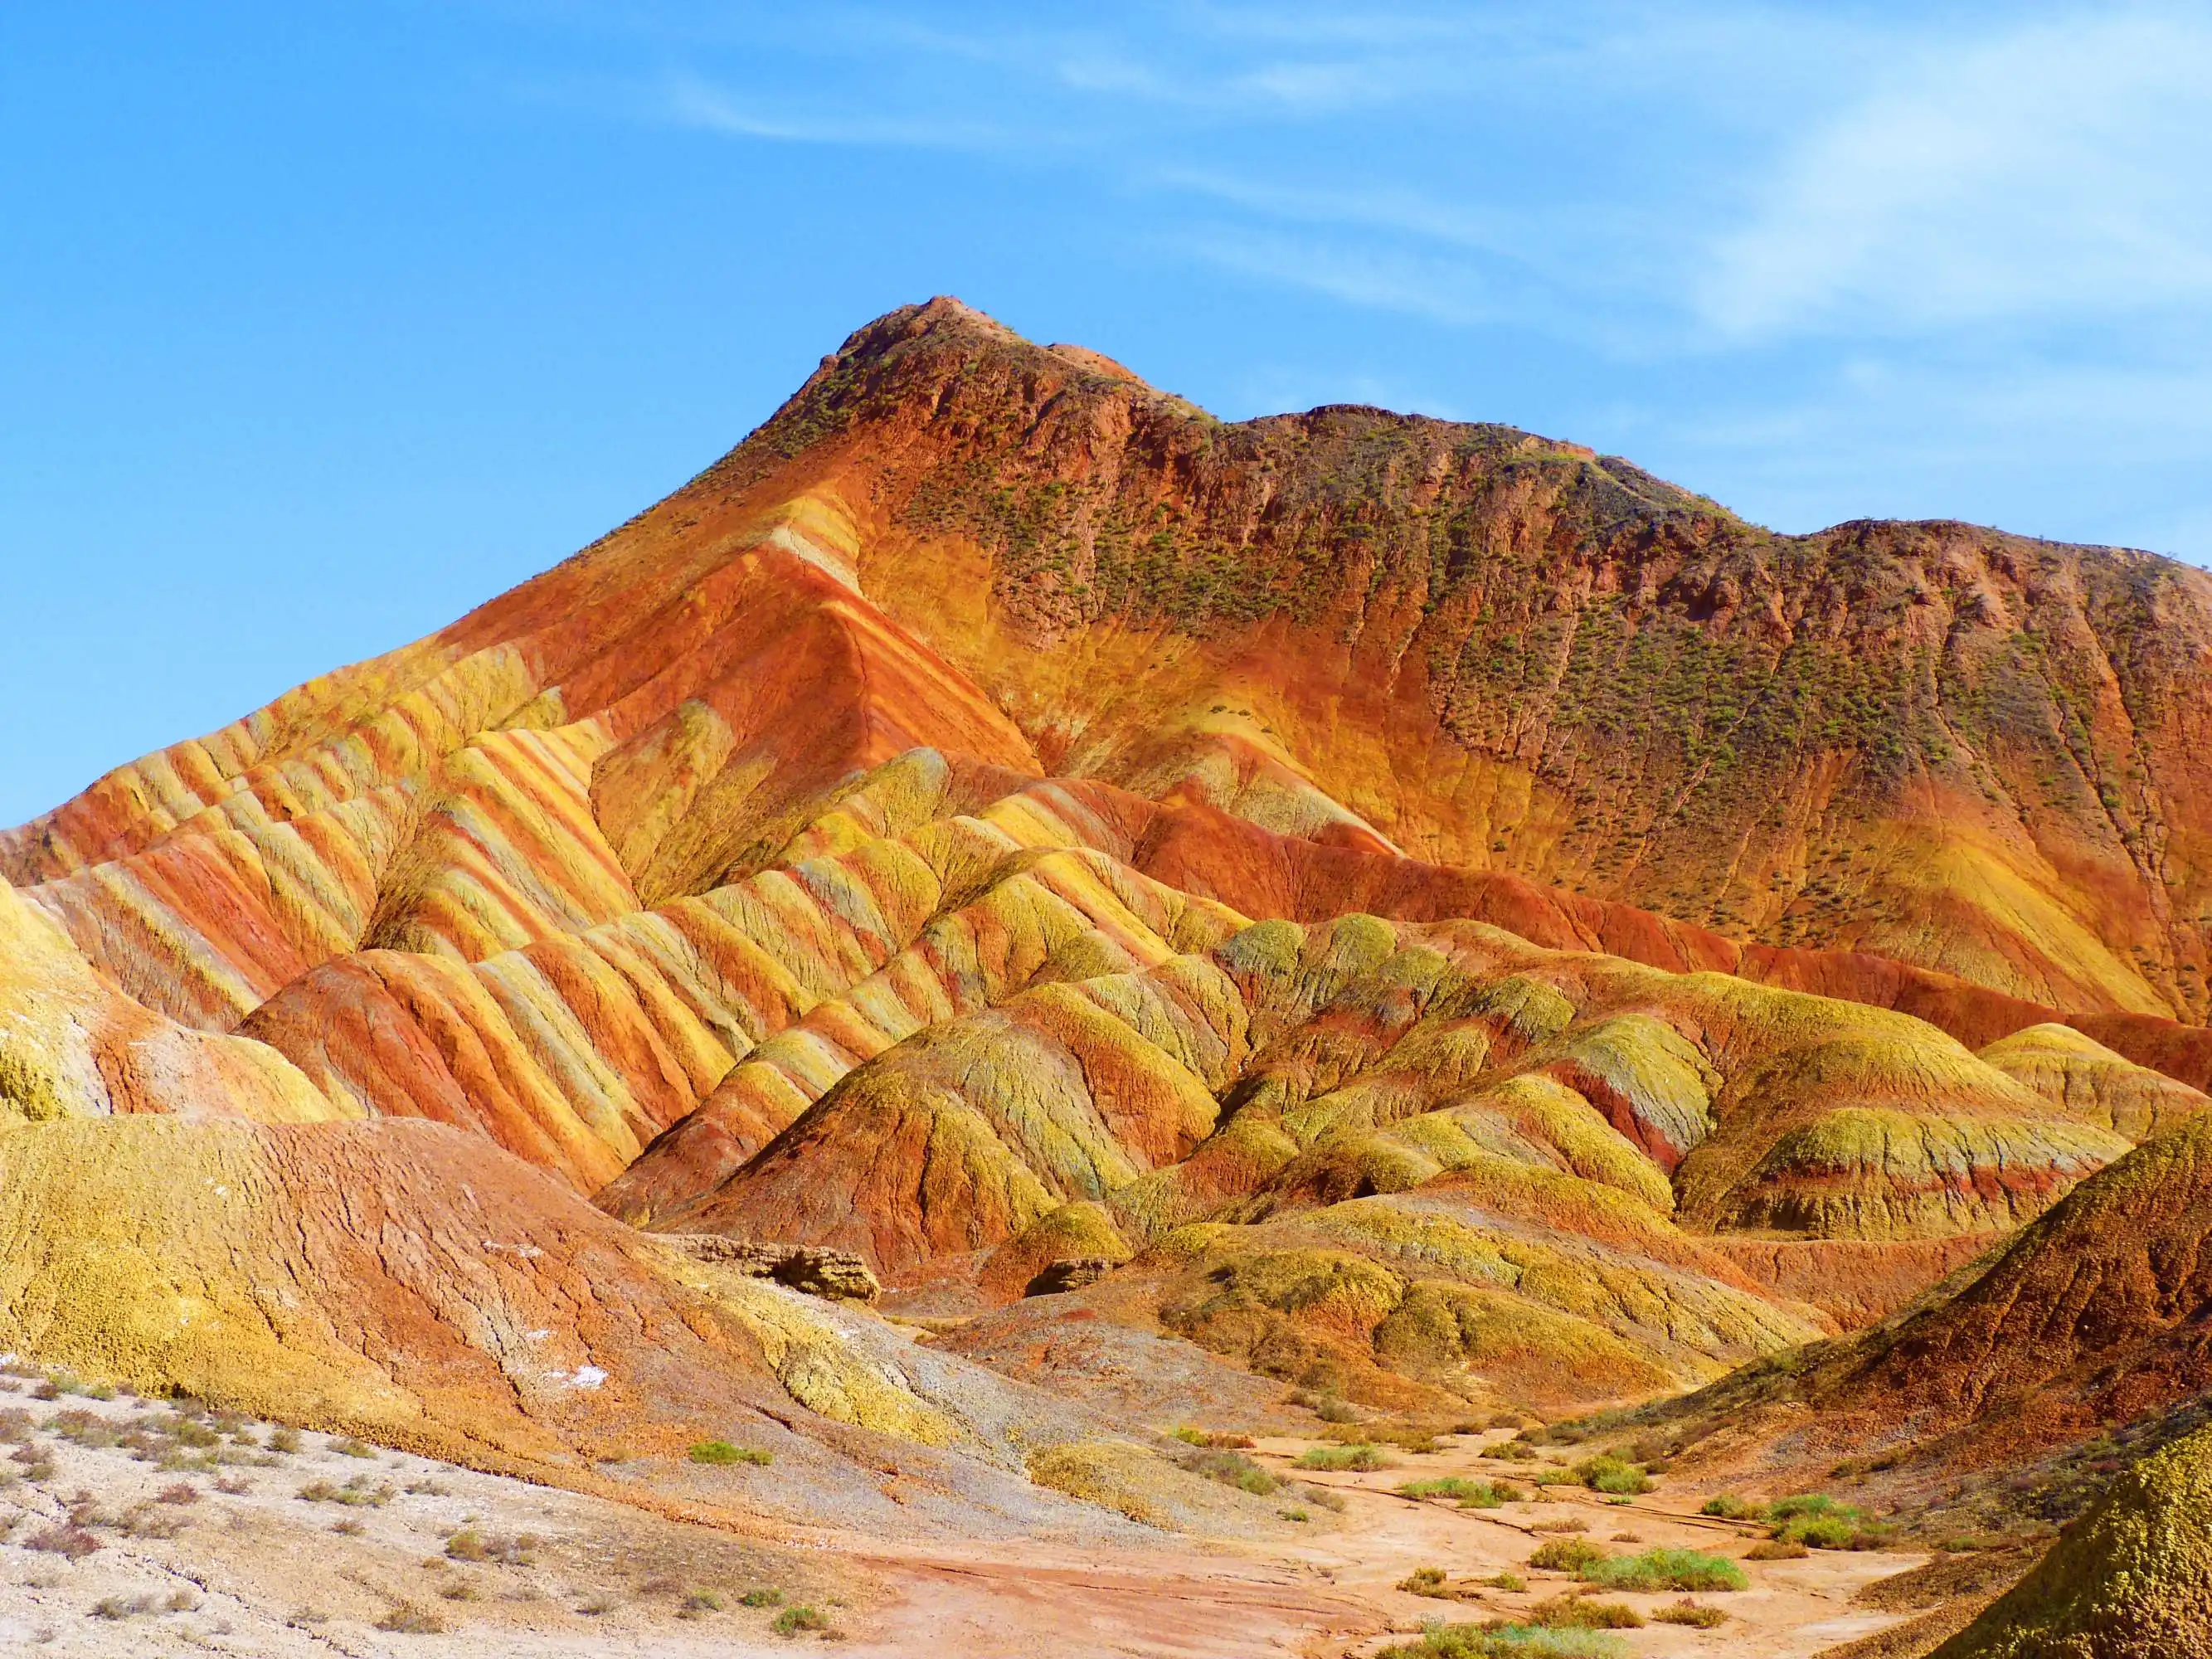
(1505, 1581)
(1607, 1474)
(1823, 1532)
(1232, 1469)
(1404, 1437)
(1580, 1613)
(1206, 1438)
(356, 1493)
(1729, 1507)
(1808, 1502)
(1470, 1494)
(1511, 1641)
(791, 1621)
(721, 1451)
(1686, 1611)
(1575, 1555)
(409, 1619)
(467, 1544)
(1777, 1549)
(1668, 1570)
(1819, 1522)
(1342, 1457)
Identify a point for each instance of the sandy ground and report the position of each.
(240, 1547)
(1792, 1610)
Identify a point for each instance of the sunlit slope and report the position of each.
(412, 1283)
(2131, 1579)
(1549, 1152)
(73, 1046)
(2092, 1315)
(639, 729)
(1485, 648)
(1000, 814)
(1488, 650)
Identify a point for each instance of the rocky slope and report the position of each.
(411, 1283)
(1444, 917)
(2096, 1314)
(2133, 1577)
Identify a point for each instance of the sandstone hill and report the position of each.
(1446, 918)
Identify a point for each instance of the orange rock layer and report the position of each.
(1437, 904)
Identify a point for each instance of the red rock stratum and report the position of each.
(1447, 916)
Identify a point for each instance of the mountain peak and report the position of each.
(1434, 915)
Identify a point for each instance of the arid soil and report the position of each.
(243, 1538)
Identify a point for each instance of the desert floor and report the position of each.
(240, 1547)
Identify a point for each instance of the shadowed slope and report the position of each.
(2094, 1314)
(2098, 1313)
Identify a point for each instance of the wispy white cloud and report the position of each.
(686, 99)
(1405, 280)
(2052, 170)
(1869, 252)
(1828, 173)
(2086, 451)
(1395, 208)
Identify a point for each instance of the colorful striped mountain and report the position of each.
(1446, 918)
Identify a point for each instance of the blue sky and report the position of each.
(319, 323)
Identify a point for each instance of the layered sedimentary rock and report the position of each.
(2096, 1313)
(1436, 911)
(412, 1283)
(71, 1045)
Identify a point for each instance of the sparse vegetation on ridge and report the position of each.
(1003, 830)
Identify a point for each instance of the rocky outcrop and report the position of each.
(1072, 1272)
(838, 1274)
